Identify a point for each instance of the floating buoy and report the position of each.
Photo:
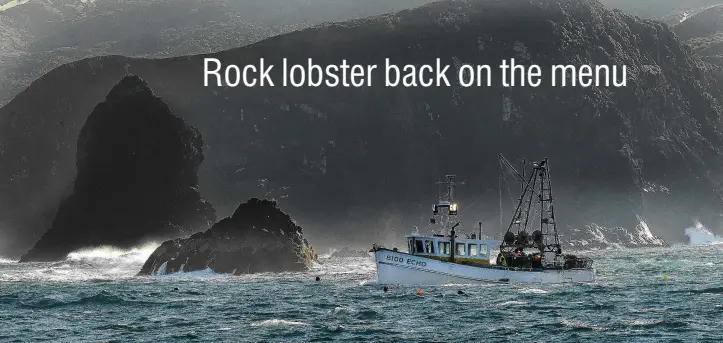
(318, 278)
(420, 292)
(665, 277)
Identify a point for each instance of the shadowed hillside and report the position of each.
(704, 33)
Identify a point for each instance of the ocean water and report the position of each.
(670, 294)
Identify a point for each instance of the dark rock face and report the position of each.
(137, 177)
(258, 237)
(346, 160)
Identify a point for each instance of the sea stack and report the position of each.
(137, 177)
(258, 237)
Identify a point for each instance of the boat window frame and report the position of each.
(429, 246)
(410, 245)
(417, 242)
(484, 250)
(464, 249)
(444, 248)
(469, 249)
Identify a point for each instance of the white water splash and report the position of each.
(533, 291)
(137, 255)
(595, 236)
(96, 264)
(6, 261)
(700, 235)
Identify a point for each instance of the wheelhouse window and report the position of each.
(410, 245)
(443, 248)
(461, 249)
(472, 250)
(430, 247)
(419, 246)
(483, 250)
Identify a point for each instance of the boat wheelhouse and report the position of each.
(439, 247)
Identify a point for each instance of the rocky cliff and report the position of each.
(258, 237)
(348, 160)
(137, 177)
(41, 35)
(669, 11)
(704, 33)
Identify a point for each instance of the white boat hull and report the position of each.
(405, 269)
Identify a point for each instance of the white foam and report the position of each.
(700, 235)
(512, 302)
(6, 261)
(95, 264)
(109, 253)
(533, 291)
(208, 272)
(579, 324)
(278, 322)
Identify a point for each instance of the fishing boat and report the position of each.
(447, 257)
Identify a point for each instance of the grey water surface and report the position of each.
(672, 294)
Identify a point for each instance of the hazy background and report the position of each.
(39, 35)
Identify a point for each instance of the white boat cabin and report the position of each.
(466, 250)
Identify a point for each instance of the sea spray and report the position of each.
(100, 254)
(700, 235)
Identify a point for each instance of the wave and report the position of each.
(109, 253)
(700, 235)
(279, 322)
(208, 272)
(595, 236)
(6, 261)
(94, 265)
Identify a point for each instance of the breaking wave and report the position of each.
(700, 235)
(595, 236)
(278, 322)
(104, 254)
(99, 264)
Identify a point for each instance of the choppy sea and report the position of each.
(672, 294)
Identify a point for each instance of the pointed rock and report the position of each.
(137, 177)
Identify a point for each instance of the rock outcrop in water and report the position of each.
(594, 236)
(137, 177)
(258, 237)
(341, 158)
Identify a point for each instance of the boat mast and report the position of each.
(537, 185)
(447, 209)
